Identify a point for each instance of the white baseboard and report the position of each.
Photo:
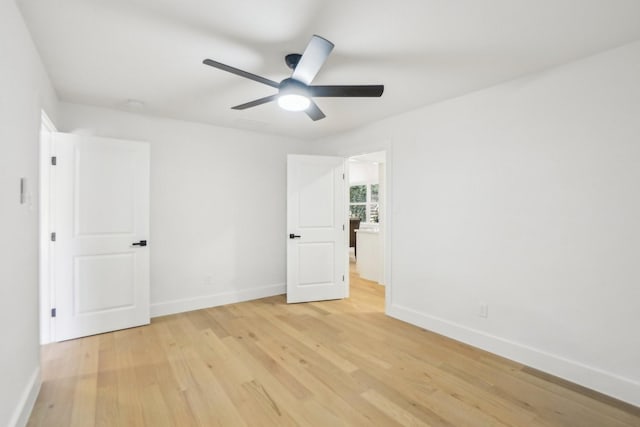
(576, 372)
(27, 400)
(197, 303)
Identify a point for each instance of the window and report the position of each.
(373, 205)
(363, 202)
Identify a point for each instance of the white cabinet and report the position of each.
(369, 261)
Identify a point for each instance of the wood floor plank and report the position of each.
(265, 366)
(409, 399)
(331, 388)
(266, 363)
(84, 398)
(393, 410)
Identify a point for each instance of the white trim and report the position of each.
(27, 400)
(47, 122)
(207, 301)
(584, 375)
(387, 221)
(346, 229)
(47, 128)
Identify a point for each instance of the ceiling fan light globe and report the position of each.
(293, 102)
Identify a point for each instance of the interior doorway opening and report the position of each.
(367, 196)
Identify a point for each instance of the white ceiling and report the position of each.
(377, 157)
(104, 52)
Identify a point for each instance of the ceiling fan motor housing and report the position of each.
(292, 60)
(293, 86)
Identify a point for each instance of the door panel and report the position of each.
(316, 211)
(103, 282)
(105, 196)
(315, 263)
(316, 189)
(100, 207)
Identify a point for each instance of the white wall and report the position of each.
(525, 197)
(218, 206)
(363, 173)
(24, 91)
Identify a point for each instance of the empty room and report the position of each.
(319, 213)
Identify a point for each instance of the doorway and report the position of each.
(367, 196)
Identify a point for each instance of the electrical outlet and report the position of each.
(484, 310)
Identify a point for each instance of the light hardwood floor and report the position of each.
(266, 363)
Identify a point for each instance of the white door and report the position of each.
(317, 262)
(100, 204)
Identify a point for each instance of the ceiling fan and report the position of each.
(295, 92)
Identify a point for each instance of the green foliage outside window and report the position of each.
(374, 192)
(359, 211)
(358, 194)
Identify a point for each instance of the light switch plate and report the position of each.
(23, 191)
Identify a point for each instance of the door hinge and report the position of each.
(54, 161)
(53, 236)
(342, 176)
(343, 277)
(53, 312)
(342, 227)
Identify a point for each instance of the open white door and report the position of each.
(317, 243)
(101, 225)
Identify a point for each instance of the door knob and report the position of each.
(140, 243)
(294, 236)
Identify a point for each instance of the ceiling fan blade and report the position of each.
(347, 91)
(241, 73)
(312, 59)
(256, 102)
(314, 112)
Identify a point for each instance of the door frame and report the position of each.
(46, 285)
